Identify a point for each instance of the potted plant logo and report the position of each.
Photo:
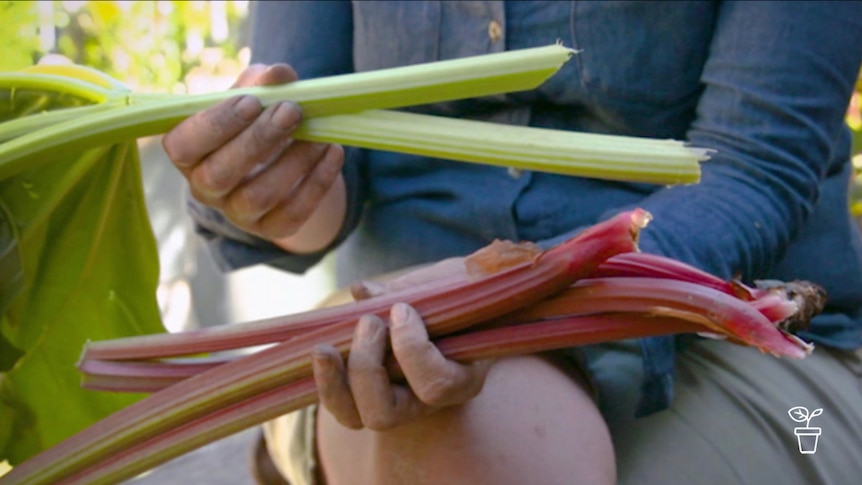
(806, 436)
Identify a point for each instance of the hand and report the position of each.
(240, 159)
(362, 394)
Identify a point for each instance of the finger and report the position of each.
(435, 380)
(194, 138)
(264, 139)
(381, 404)
(285, 219)
(332, 386)
(250, 201)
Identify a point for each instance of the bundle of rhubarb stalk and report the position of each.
(513, 299)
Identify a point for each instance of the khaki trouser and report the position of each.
(728, 423)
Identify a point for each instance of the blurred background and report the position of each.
(175, 47)
(169, 47)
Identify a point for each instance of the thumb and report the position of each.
(265, 75)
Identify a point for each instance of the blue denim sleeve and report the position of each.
(315, 38)
(777, 82)
(776, 86)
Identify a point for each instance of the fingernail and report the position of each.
(366, 328)
(246, 108)
(321, 358)
(399, 314)
(332, 165)
(286, 115)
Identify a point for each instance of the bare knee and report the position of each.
(530, 424)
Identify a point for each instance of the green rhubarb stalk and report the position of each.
(324, 101)
(21, 82)
(350, 93)
(565, 152)
(444, 312)
(12, 129)
(97, 80)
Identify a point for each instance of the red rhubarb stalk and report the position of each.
(656, 266)
(477, 345)
(495, 343)
(454, 308)
(722, 312)
(247, 334)
(577, 258)
(776, 305)
(198, 432)
(147, 376)
(777, 301)
(560, 333)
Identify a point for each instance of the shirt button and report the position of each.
(495, 31)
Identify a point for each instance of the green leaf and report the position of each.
(78, 231)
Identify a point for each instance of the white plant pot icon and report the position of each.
(807, 438)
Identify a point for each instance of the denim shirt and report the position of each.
(765, 84)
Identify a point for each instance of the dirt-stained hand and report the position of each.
(361, 393)
(240, 159)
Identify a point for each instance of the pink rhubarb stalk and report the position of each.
(778, 302)
(723, 313)
(453, 308)
(578, 258)
(494, 343)
(655, 266)
(477, 345)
